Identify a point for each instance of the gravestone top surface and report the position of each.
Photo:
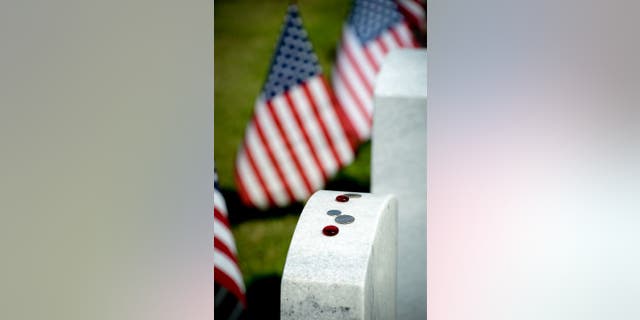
(348, 273)
(399, 69)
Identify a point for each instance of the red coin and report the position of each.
(342, 198)
(330, 231)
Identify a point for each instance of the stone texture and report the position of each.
(399, 167)
(350, 275)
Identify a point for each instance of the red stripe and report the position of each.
(323, 125)
(382, 45)
(218, 215)
(290, 147)
(356, 66)
(223, 279)
(307, 139)
(396, 37)
(226, 250)
(414, 42)
(258, 174)
(347, 127)
(411, 17)
(275, 163)
(242, 191)
(372, 61)
(360, 104)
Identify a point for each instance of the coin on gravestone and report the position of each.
(345, 219)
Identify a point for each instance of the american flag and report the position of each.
(229, 294)
(373, 28)
(298, 137)
(414, 11)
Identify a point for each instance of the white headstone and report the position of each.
(349, 275)
(399, 167)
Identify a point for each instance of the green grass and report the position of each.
(245, 35)
(263, 244)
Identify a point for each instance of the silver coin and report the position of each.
(345, 219)
(353, 195)
(334, 212)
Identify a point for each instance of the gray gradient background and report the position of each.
(106, 141)
(106, 134)
(533, 160)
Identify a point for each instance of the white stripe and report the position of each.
(251, 184)
(373, 47)
(353, 46)
(349, 106)
(268, 172)
(300, 147)
(331, 120)
(218, 202)
(313, 129)
(405, 35)
(414, 8)
(228, 267)
(222, 233)
(361, 94)
(390, 43)
(279, 150)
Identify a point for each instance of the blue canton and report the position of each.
(294, 60)
(370, 18)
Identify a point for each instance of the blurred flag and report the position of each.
(230, 302)
(414, 11)
(297, 138)
(373, 28)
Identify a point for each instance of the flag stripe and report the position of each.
(275, 153)
(218, 202)
(247, 180)
(389, 40)
(305, 130)
(292, 129)
(414, 12)
(372, 60)
(353, 48)
(320, 92)
(346, 58)
(324, 125)
(351, 110)
(275, 187)
(281, 156)
(228, 266)
(288, 148)
(227, 276)
(347, 133)
(224, 248)
(376, 52)
(242, 190)
(402, 30)
(356, 88)
(314, 131)
(223, 234)
(253, 164)
(220, 216)
(225, 279)
(383, 45)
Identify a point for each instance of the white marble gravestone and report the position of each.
(399, 167)
(348, 275)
